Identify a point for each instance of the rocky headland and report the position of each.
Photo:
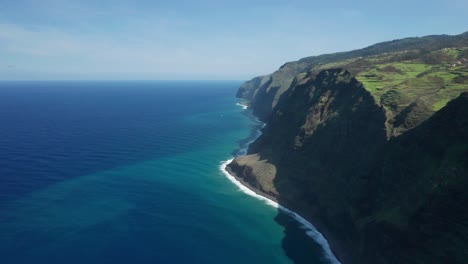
(371, 146)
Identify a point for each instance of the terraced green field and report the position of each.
(398, 79)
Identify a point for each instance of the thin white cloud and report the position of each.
(132, 39)
(54, 51)
(37, 41)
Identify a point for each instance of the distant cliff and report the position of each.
(368, 148)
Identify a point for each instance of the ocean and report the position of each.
(129, 172)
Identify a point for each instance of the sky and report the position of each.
(200, 40)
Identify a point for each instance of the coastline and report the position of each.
(310, 229)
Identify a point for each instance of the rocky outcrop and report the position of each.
(256, 173)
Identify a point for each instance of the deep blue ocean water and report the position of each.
(128, 172)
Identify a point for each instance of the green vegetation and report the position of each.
(437, 106)
(432, 78)
(400, 78)
(391, 99)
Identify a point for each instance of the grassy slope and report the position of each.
(398, 79)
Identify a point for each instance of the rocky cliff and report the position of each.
(385, 183)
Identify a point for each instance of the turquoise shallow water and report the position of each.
(128, 172)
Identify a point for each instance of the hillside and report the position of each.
(264, 92)
(371, 146)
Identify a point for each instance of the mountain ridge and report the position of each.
(264, 96)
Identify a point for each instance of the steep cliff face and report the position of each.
(265, 91)
(248, 90)
(326, 153)
(322, 141)
(419, 193)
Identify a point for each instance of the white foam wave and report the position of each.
(310, 229)
(242, 105)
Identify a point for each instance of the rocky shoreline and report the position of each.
(250, 187)
(329, 245)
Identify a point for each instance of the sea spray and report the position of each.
(310, 229)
